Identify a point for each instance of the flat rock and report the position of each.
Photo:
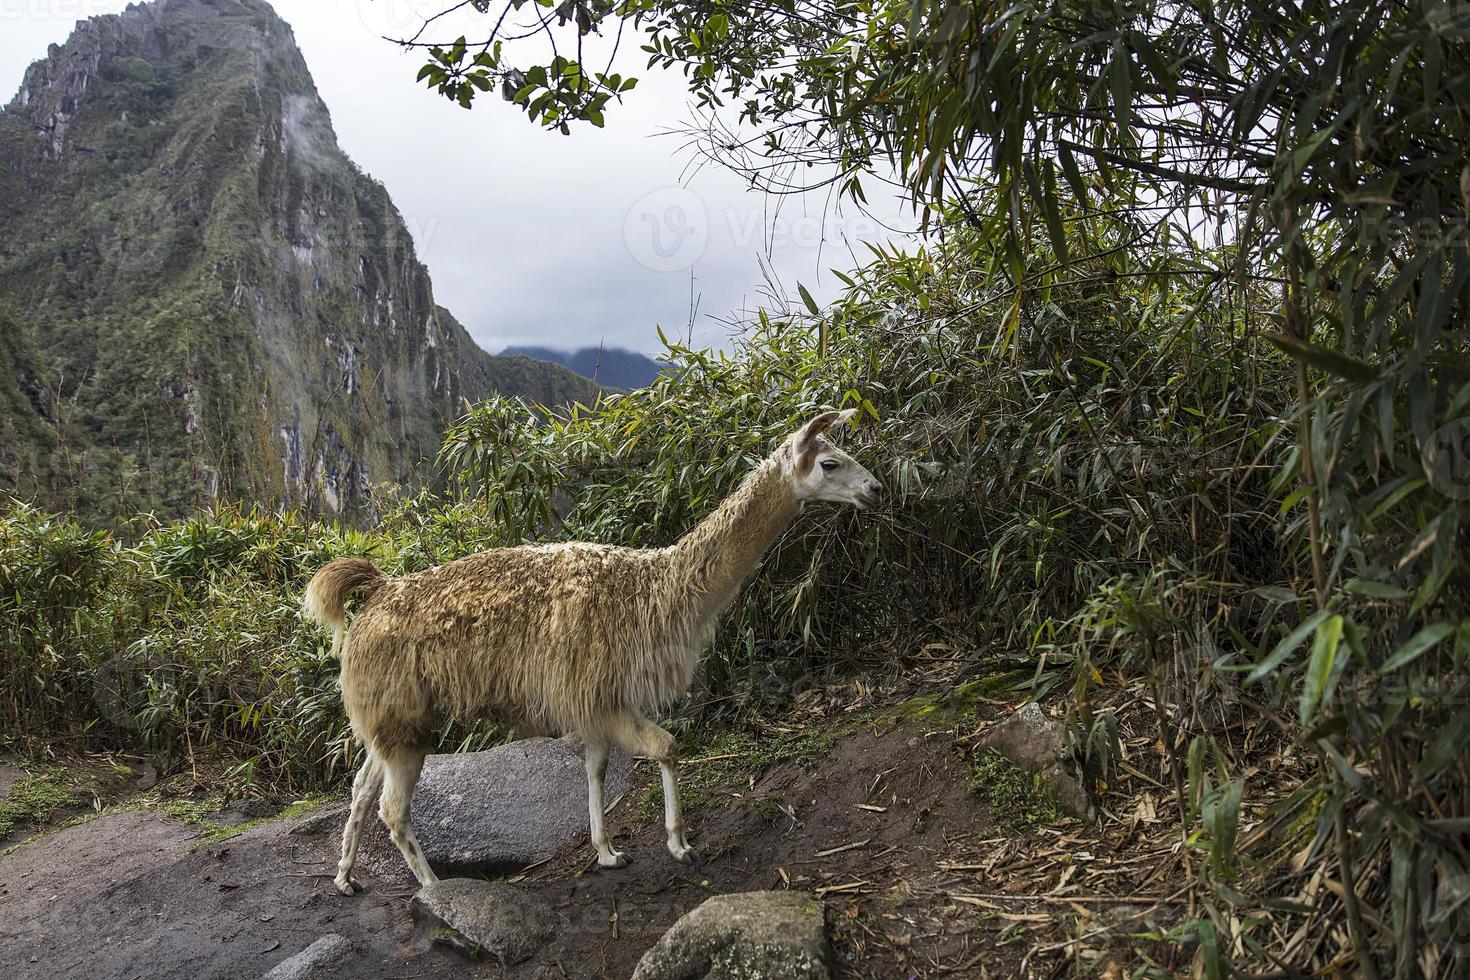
(491, 917)
(320, 956)
(505, 808)
(1028, 738)
(745, 936)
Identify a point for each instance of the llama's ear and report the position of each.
(821, 424)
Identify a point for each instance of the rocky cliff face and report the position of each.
(206, 298)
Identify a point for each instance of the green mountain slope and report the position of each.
(210, 301)
(27, 431)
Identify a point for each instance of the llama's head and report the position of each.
(818, 470)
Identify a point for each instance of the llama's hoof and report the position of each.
(346, 887)
(683, 853)
(613, 859)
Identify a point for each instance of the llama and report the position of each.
(555, 639)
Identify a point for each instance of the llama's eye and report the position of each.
(830, 464)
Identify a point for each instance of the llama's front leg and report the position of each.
(674, 814)
(647, 739)
(595, 753)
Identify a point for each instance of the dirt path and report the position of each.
(137, 895)
(874, 825)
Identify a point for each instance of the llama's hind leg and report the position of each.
(595, 752)
(365, 788)
(643, 737)
(401, 770)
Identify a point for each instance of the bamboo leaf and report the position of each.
(1333, 362)
(1449, 747)
(806, 298)
(1320, 669)
(1120, 77)
(1375, 590)
(1416, 646)
(1287, 646)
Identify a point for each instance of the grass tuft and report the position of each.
(35, 796)
(1017, 798)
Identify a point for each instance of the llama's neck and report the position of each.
(721, 550)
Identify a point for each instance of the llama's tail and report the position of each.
(326, 596)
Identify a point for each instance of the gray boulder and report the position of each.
(476, 917)
(1061, 781)
(499, 810)
(1038, 744)
(319, 956)
(1028, 738)
(746, 936)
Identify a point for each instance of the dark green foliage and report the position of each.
(192, 637)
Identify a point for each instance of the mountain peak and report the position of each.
(229, 308)
(167, 35)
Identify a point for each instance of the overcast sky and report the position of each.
(534, 237)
